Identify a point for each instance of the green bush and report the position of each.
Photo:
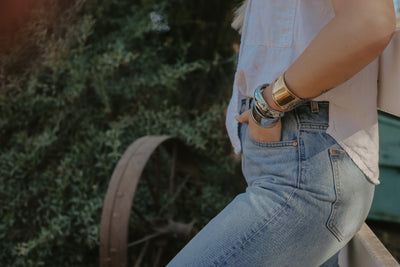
(100, 75)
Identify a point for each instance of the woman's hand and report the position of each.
(271, 134)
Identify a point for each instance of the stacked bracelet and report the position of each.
(283, 97)
(261, 112)
(260, 119)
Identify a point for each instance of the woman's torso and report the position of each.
(275, 33)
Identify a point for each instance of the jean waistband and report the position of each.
(313, 113)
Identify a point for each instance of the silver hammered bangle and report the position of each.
(261, 113)
(260, 119)
(263, 106)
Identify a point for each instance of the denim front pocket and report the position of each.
(276, 162)
(279, 144)
(289, 134)
(271, 23)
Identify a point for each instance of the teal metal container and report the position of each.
(386, 204)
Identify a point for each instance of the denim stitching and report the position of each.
(234, 248)
(300, 150)
(314, 126)
(334, 204)
(330, 224)
(273, 144)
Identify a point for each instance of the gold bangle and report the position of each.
(283, 97)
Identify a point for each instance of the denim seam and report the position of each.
(336, 176)
(300, 151)
(281, 144)
(266, 223)
(314, 126)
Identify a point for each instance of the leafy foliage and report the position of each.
(101, 74)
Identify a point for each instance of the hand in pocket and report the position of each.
(259, 133)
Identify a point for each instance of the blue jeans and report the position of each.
(305, 200)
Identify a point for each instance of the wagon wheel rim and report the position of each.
(114, 228)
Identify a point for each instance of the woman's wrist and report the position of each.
(267, 94)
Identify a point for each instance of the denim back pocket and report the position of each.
(271, 23)
(353, 196)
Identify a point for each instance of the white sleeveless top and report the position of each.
(275, 33)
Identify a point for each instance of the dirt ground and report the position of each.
(389, 234)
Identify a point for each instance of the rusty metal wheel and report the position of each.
(146, 215)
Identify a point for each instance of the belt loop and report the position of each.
(245, 104)
(242, 105)
(314, 107)
(250, 100)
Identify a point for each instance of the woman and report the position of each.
(309, 154)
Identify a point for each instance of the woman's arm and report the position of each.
(359, 32)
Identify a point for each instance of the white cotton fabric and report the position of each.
(275, 33)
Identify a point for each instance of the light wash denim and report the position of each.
(305, 200)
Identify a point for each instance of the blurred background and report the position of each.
(82, 79)
(79, 81)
